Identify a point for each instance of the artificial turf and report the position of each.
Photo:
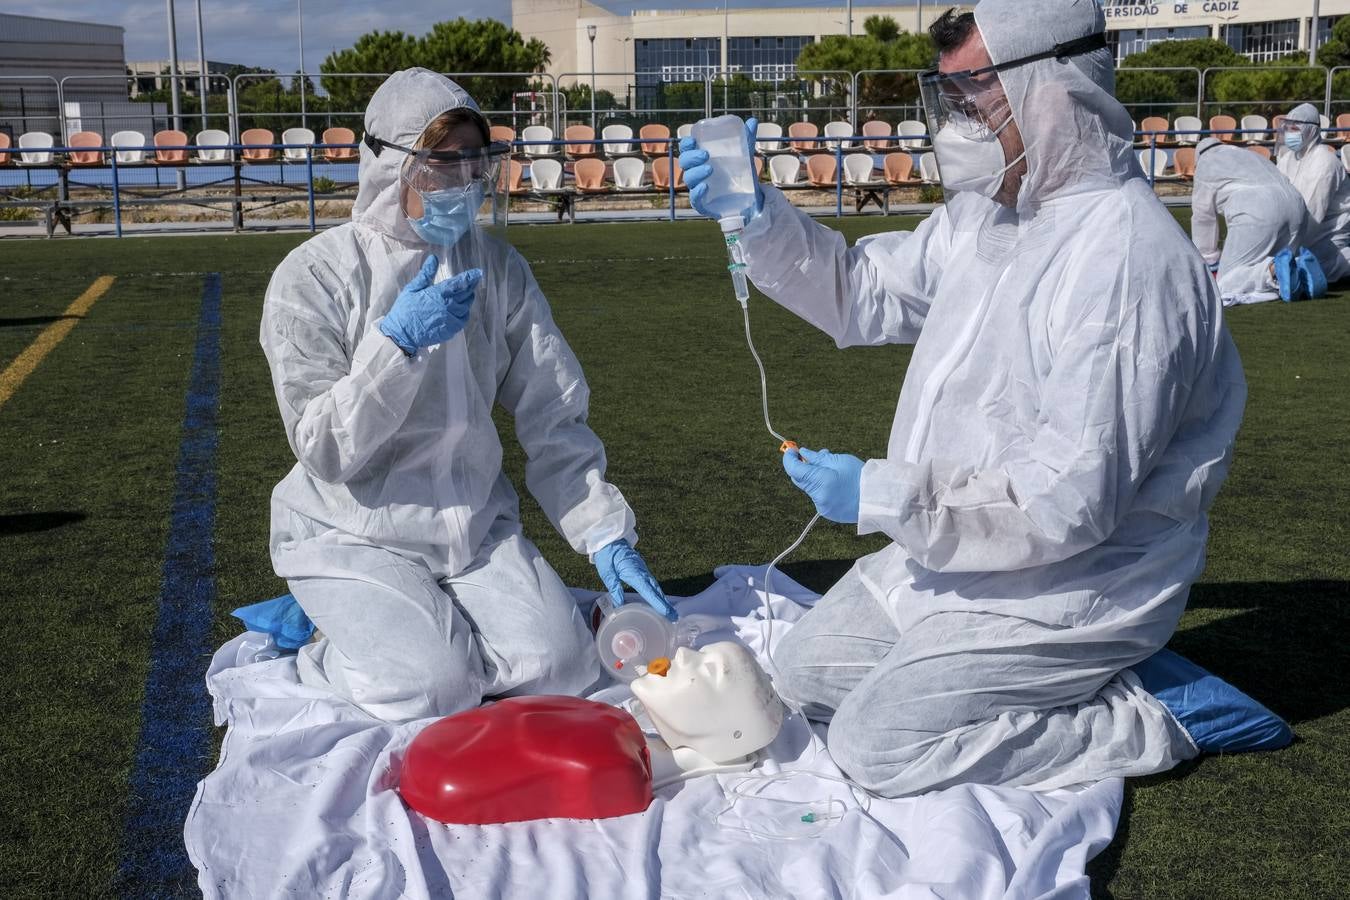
(89, 442)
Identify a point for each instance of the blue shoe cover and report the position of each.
(1287, 274)
(1313, 277)
(1217, 716)
(281, 617)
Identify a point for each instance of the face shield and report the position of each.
(452, 197)
(1296, 134)
(970, 118)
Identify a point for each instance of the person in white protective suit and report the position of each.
(1264, 215)
(1066, 419)
(1316, 172)
(389, 339)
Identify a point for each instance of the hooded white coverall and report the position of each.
(1316, 172)
(397, 530)
(1065, 422)
(1264, 215)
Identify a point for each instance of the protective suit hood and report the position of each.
(1078, 137)
(400, 110)
(1310, 124)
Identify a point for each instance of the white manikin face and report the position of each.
(717, 701)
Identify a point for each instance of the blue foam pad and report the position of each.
(1218, 717)
(280, 617)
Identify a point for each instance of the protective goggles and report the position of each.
(431, 171)
(973, 101)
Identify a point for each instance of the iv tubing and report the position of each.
(763, 384)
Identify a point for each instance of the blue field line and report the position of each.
(175, 717)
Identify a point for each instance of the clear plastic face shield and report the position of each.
(452, 197)
(971, 120)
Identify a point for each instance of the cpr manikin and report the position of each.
(564, 757)
(714, 709)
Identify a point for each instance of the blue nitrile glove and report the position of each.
(694, 162)
(619, 564)
(425, 314)
(280, 617)
(831, 480)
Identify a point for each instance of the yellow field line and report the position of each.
(53, 334)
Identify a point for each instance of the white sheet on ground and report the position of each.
(303, 803)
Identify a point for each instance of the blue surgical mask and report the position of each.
(447, 215)
(1293, 140)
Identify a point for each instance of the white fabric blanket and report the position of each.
(303, 803)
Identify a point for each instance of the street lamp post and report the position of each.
(203, 82)
(590, 33)
(173, 65)
(1312, 44)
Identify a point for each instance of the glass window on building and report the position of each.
(1264, 41)
(1324, 26)
(765, 58)
(1137, 40)
(678, 59)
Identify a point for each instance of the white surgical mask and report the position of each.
(972, 164)
(447, 215)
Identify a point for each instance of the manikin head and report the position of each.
(717, 701)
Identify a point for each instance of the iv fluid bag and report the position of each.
(731, 186)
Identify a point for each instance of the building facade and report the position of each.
(144, 76)
(38, 53)
(585, 36)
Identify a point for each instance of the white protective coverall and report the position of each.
(1264, 215)
(1064, 424)
(397, 530)
(1316, 171)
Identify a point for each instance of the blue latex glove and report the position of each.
(426, 314)
(694, 162)
(619, 564)
(831, 480)
(280, 617)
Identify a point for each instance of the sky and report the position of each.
(263, 32)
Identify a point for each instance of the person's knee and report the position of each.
(408, 682)
(798, 678)
(872, 751)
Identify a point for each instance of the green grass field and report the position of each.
(89, 443)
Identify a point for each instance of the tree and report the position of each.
(455, 48)
(1171, 90)
(578, 98)
(882, 46)
(1336, 51)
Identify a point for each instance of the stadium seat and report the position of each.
(589, 174)
(684, 130)
(655, 140)
(6, 157)
(621, 137)
(1324, 121)
(297, 136)
(504, 133)
(898, 168)
(1183, 162)
(1191, 124)
(35, 148)
(512, 174)
(784, 170)
(1155, 158)
(539, 133)
(1345, 161)
(928, 168)
(340, 154)
(170, 148)
(911, 133)
(577, 146)
(213, 146)
(838, 131)
(546, 174)
(1340, 137)
(858, 168)
(628, 172)
(255, 142)
(662, 166)
(878, 136)
(1255, 129)
(1223, 123)
(768, 138)
(820, 170)
(1153, 123)
(81, 157)
(805, 134)
(128, 147)
(1259, 150)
